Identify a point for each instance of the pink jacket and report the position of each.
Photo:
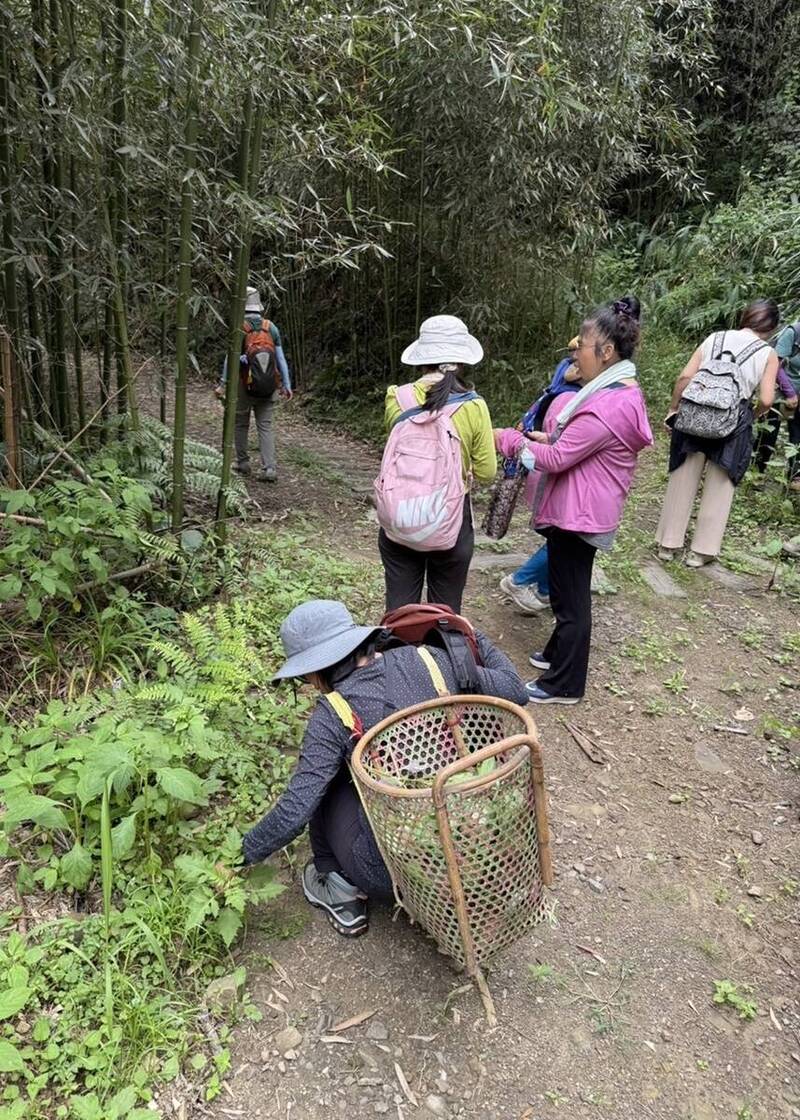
(590, 468)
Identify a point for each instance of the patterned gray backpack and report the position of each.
(709, 407)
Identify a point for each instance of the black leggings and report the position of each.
(766, 440)
(335, 828)
(570, 560)
(405, 569)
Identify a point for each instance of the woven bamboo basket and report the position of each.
(454, 791)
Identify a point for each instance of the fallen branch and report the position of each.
(730, 730)
(590, 748)
(24, 520)
(116, 577)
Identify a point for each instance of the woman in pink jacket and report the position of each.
(585, 460)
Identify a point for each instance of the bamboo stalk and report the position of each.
(58, 273)
(184, 262)
(12, 457)
(119, 219)
(235, 314)
(6, 202)
(420, 219)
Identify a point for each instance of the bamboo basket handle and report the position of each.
(475, 759)
(540, 805)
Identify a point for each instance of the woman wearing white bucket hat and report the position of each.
(437, 406)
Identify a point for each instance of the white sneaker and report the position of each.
(524, 596)
(698, 559)
(667, 553)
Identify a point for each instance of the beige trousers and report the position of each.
(712, 516)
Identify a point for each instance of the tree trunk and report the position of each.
(184, 262)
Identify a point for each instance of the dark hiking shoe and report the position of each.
(537, 695)
(344, 904)
(539, 661)
(241, 468)
(268, 474)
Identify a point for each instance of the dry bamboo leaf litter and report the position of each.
(356, 1021)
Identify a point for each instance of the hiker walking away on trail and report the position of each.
(711, 423)
(325, 647)
(787, 346)
(263, 373)
(440, 440)
(585, 461)
(529, 586)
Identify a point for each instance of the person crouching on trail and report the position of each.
(263, 372)
(325, 647)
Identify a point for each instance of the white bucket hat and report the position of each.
(253, 301)
(443, 338)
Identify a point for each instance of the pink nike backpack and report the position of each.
(419, 494)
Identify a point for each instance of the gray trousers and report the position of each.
(262, 408)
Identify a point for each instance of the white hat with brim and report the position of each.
(253, 301)
(318, 634)
(443, 338)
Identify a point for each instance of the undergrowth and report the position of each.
(124, 810)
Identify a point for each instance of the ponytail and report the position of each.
(439, 393)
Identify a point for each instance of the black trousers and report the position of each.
(405, 569)
(335, 827)
(766, 441)
(570, 561)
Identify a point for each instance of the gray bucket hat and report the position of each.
(316, 635)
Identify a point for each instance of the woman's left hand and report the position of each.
(537, 437)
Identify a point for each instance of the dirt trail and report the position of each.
(676, 866)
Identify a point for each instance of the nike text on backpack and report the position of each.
(710, 405)
(260, 376)
(419, 494)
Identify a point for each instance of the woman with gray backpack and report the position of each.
(711, 421)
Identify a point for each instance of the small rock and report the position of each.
(290, 1055)
(377, 1031)
(579, 867)
(676, 799)
(265, 1055)
(288, 1040)
(380, 1107)
(756, 837)
(666, 1035)
(224, 991)
(596, 885)
(755, 892)
(282, 1067)
(436, 1105)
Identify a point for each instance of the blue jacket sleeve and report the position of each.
(322, 756)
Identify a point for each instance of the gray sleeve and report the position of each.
(321, 757)
(497, 674)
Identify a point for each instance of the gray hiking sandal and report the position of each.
(345, 905)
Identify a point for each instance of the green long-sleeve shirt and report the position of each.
(473, 424)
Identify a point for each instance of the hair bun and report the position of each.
(623, 307)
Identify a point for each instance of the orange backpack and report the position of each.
(260, 376)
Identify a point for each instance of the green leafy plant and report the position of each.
(729, 994)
